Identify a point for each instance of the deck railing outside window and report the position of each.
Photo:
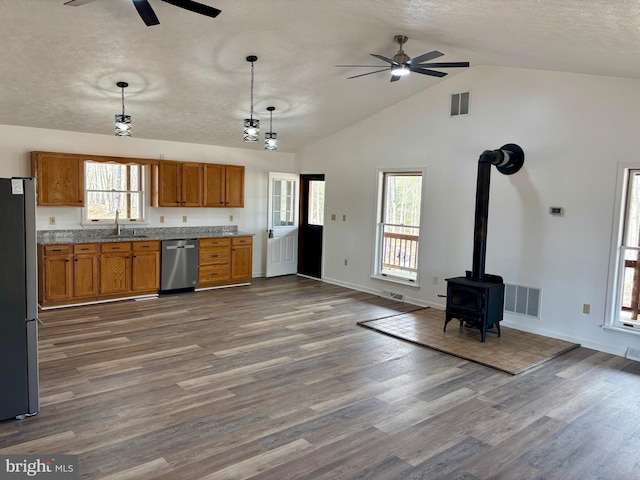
(400, 250)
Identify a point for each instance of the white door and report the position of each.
(282, 224)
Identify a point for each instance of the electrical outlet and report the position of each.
(344, 218)
(333, 217)
(161, 218)
(184, 219)
(586, 309)
(52, 220)
(435, 280)
(346, 262)
(231, 218)
(162, 156)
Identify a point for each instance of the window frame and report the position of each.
(376, 263)
(615, 282)
(144, 191)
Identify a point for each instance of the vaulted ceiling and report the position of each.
(189, 80)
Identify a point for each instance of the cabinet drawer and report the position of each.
(85, 248)
(116, 247)
(214, 273)
(57, 249)
(241, 241)
(214, 255)
(146, 246)
(215, 242)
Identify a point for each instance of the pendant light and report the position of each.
(123, 122)
(270, 138)
(251, 125)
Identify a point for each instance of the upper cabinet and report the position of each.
(60, 178)
(223, 186)
(173, 184)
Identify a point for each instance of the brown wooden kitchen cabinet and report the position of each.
(86, 270)
(179, 184)
(223, 185)
(241, 258)
(55, 272)
(115, 268)
(146, 266)
(60, 178)
(224, 261)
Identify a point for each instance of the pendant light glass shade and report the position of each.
(251, 125)
(123, 122)
(271, 138)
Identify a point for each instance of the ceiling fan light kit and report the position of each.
(123, 122)
(402, 65)
(271, 138)
(251, 125)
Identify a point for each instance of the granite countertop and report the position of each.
(101, 235)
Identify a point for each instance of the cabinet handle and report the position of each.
(67, 260)
(135, 256)
(115, 248)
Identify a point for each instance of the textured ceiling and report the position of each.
(189, 80)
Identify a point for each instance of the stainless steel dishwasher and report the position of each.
(179, 264)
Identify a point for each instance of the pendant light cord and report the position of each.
(123, 101)
(251, 91)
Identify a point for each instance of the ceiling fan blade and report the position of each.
(426, 71)
(425, 57)
(77, 3)
(444, 65)
(368, 66)
(388, 60)
(146, 12)
(195, 7)
(369, 73)
(395, 78)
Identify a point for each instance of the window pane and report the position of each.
(632, 225)
(316, 202)
(283, 208)
(400, 225)
(112, 187)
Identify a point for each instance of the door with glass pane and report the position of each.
(282, 224)
(311, 225)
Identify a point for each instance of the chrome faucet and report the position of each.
(117, 222)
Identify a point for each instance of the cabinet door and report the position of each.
(60, 178)
(86, 280)
(169, 184)
(58, 277)
(115, 273)
(146, 271)
(214, 185)
(234, 186)
(241, 262)
(192, 184)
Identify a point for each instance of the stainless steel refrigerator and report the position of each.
(18, 299)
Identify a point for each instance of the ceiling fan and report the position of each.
(148, 15)
(401, 64)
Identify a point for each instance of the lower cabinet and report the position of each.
(78, 273)
(146, 266)
(224, 261)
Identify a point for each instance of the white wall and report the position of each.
(17, 142)
(574, 130)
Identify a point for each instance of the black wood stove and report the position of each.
(477, 299)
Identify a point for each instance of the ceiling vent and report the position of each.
(459, 104)
(522, 300)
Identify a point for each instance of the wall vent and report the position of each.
(392, 295)
(633, 354)
(459, 104)
(522, 300)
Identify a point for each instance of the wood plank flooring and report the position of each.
(276, 381)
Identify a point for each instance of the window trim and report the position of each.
(616, 274)
(145, 167)
(376, 272)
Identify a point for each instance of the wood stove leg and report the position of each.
(447, 319)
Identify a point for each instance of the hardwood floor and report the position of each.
(276, 381)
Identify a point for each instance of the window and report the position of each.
(111, 188)
(398, 226)
(283, 203)
(315, 214)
